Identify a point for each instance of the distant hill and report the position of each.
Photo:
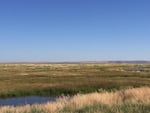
(130, 62)
(118, 62)
(83, 62)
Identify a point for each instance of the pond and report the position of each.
(26, 100)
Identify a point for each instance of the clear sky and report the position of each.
(74, 30)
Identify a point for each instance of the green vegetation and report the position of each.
(69, 79)
(125, 108)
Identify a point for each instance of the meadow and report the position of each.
(135, 100)
(93, 88)
(18, 80)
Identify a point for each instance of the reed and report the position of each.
(123, 101)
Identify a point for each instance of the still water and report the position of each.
(26, 100)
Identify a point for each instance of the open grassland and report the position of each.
(69, 79)
(136, 100)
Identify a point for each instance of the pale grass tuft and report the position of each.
(80, 101)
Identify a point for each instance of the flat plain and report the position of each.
(94, 88)
(69, 79)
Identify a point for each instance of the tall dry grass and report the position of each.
(79, 101)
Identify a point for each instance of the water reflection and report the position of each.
(26, 100)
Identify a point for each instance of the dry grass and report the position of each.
(56, 79)
(132, 96)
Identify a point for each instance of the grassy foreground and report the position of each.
(57, 79)
(136, 100)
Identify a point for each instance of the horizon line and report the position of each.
(57, 62)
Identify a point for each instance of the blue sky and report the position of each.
(74, 30)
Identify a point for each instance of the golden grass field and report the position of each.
(56, 79)
(136, 100)
(119, 88)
